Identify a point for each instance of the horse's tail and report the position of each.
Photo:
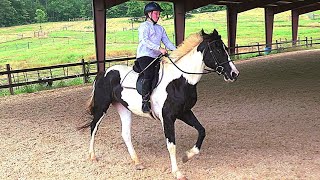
(90, 102)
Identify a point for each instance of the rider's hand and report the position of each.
(163, 51)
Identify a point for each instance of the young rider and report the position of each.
(151, 35)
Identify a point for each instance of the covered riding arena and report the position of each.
(266, 125)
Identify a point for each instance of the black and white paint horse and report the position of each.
(172, 99)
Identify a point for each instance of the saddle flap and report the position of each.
(154, 81)
(139, 84)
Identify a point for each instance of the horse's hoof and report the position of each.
(93, 158)
(185, 159)
(182, 178)
(140, 167)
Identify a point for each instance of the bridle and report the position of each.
(219, 68)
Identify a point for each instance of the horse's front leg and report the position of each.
(190, 119)
(169, 132)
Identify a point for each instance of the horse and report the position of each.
(173, 97)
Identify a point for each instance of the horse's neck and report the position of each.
(192, 63)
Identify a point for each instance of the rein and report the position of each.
(208, 70)
(219, 69)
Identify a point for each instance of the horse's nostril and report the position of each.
(234, 75)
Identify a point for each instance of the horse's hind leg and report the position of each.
(100, 103)
(94, 127)
(190, 119)
(125, 116)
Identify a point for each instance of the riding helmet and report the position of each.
(152, 6)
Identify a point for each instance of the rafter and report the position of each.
(307, 9)
(252, 5)
(293, 5)
(197, 4)
(110, 3)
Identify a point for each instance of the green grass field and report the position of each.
(66, 42)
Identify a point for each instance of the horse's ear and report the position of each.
(215, 32)
(203, 33)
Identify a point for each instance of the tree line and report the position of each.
(19, 12)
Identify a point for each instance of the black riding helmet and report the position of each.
(152, 6)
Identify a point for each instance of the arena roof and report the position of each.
(234, 7)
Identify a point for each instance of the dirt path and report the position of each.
(264, 126)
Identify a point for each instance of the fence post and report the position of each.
(277, 46)
(258, 48)
(9, 79)
(85, 72)
(310, 41)
(306, 41)
(237, 51)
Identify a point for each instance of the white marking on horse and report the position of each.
(91, 147)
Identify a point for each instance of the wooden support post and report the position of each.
(99, 14)
(269, 19)
(232, 18)
(295, 23)
(179, 21)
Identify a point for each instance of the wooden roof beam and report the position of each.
(307, 9)
(294, 5)
(110, 3)
(190, 5)
(252, 5)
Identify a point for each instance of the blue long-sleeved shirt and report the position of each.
(150, 38)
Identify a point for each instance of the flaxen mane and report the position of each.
(185, 47)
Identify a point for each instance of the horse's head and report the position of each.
(215, 55)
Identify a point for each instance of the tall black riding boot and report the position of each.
(146, 92)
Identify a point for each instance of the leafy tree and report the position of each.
(167, 9)
(135, 8)
(86, 8)
(16, 12)
(40, 16)
(21, 15)
(117, 11)
(61, 10)
(7, 13)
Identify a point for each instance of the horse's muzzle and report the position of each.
(234, 76)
